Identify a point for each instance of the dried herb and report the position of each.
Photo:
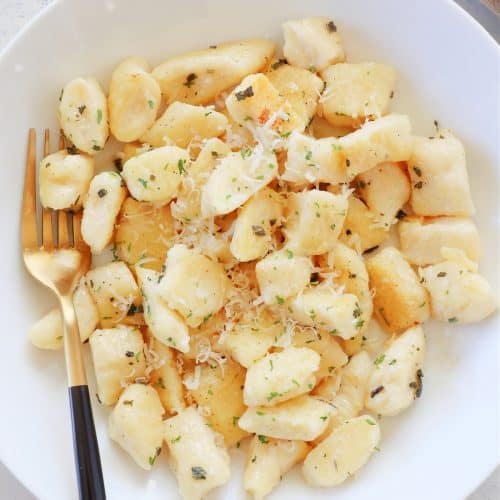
(135, 309)
(102, 193)
(198, 473)
(278, 63)
(258, 230)
(118, 163)
(377, 390)
(441, 274)
(417, 171)
(243, 94)
(331, 27)
(371, 249)
(401, 215)
(81, 108)
(419, 185)
(190, 79)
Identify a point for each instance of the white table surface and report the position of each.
(15, 13)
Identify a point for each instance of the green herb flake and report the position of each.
(246, 153)
(289, 254)
(160, 383)
(263, 439)
(151, 104)
(144, 182)
(452, 320)
(235, 420)
(272, 395)
(369, 421)
(99, 116)
(181, 167)
(176, 439)
(280, 300)
(379, 360)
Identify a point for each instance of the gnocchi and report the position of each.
(269, 380)
(118, 357)
(155, 176)
(356, 92)
(183, 124)
(134, 99)
(65, 180)
(100, 209)
(312, 43)
(396, 380)
(83, 114)
(303, 418)
(198, 462)
(136, 424)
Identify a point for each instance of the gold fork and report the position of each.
(58, 259)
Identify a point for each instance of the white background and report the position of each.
(15, 13)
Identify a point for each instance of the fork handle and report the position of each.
(88, 462)
(86, 449)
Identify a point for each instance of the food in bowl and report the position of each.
(276, 240)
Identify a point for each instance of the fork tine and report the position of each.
(78, 241)
(29, 234)
(63, 240)
(48, 225)
(47, 231)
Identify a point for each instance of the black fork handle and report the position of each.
(87, 459)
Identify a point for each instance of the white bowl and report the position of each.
(441, 448)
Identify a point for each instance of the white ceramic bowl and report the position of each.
(447, 443)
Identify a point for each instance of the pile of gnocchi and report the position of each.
(269, 241)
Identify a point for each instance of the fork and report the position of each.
(58, 259)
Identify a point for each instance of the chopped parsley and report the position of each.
(181, 167)
(263, 439)
(280, 300)
(272, 395)
(245, 153)
(379, 360)
(99, 116)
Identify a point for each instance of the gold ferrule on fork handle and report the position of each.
(72, 344)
